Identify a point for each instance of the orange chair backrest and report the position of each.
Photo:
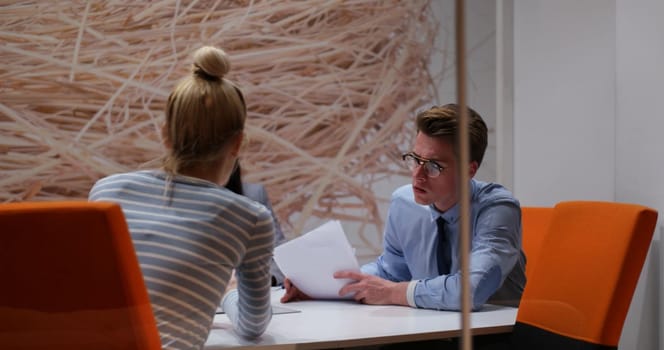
(71, 279)
(587, 270)
(534, 226)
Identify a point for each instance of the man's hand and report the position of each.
(292, 293)
(370, 289)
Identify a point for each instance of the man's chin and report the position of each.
(422, 199)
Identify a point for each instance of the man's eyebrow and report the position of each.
(432, 159)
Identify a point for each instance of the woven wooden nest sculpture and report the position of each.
(330, 85)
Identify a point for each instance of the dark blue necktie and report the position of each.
(444, 251)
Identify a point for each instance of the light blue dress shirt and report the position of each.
(497, 263)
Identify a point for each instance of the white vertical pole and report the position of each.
(464, 177)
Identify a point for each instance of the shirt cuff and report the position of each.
(410, 293)
(229, 302)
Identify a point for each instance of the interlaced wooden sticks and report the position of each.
(330, 86)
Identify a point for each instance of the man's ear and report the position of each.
(472, 169)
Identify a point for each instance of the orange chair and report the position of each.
(71, 279)
(580, 289)
(534, 226)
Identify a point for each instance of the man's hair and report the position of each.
(442, 122)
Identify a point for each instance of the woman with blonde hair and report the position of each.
(189, 231)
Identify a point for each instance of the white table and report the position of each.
(334, 324)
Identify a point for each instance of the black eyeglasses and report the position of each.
(413, 161)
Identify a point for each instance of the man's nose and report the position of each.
(419, 171)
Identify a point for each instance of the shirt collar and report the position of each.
(450, 215)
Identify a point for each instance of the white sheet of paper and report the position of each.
(310, 260)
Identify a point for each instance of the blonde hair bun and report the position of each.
(211, 62)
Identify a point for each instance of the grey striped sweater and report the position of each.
(189, 234)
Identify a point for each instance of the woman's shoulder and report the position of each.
(119, 179)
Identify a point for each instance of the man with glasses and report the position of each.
(420, 265)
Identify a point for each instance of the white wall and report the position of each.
(564, 110)
(639, 156)
(587, 119)
(480, 45)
